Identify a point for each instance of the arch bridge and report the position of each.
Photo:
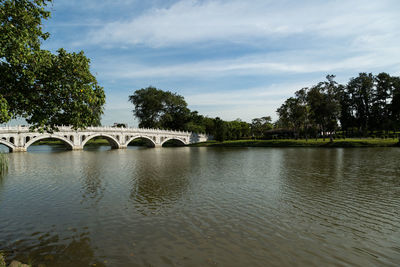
(19, 138)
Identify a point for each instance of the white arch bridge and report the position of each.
(19, 138)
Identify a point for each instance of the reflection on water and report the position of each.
(202, 206)
(157, 183)
(49, 249)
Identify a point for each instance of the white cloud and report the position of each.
(245, 103)
(311, 37)
(187, 22)
(290, 62)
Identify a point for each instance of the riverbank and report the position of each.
(12, 264)
(349, 142)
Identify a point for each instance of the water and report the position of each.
(202, 207)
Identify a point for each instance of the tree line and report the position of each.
(155, 108)
(368, 105)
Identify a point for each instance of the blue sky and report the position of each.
(232, 59)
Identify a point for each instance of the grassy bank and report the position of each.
(368, 142)
(348, 142)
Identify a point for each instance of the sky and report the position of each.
(231, 59)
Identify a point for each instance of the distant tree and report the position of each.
(196, 123)
(260, 125)
(381, 96)
(176, 114)
(156, 108)
(361, 89)
(395, 104)
(304, 111)
(220, 130)
(346, 118)
(237, 129)
(324, 105)
(292, 115)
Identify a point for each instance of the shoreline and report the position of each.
(338, 143)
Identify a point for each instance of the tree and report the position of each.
(395, 104)
(292, 115)
(346, 118)
(324, 105)
(65, 92)
(156, 108)
(303, 110)
(176, 114)
(381, 94)
(4, 113)
(361, 90)
(260, 125)
(45, 89)
(220, 130)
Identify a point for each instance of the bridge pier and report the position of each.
(18, 149)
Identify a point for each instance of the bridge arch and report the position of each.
(112, 140)
(47, 136)
(9, 145)
(180, 140)
(141, 136)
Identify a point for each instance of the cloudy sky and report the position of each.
(232, 59)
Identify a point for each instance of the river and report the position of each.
(202, 207)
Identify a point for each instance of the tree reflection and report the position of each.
(93, 187)
(160, 180)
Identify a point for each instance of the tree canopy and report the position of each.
(156, 108)
(44, 88)
(367, 103)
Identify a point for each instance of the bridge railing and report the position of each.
(19, 128)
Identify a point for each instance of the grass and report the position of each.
(353, 142)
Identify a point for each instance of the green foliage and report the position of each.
(220, 130)
(45, 89)
(367, 103)
(160, 109)
(300, 143)
(156, 108)
(65, 92)
(4, 110)
(259, 126)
